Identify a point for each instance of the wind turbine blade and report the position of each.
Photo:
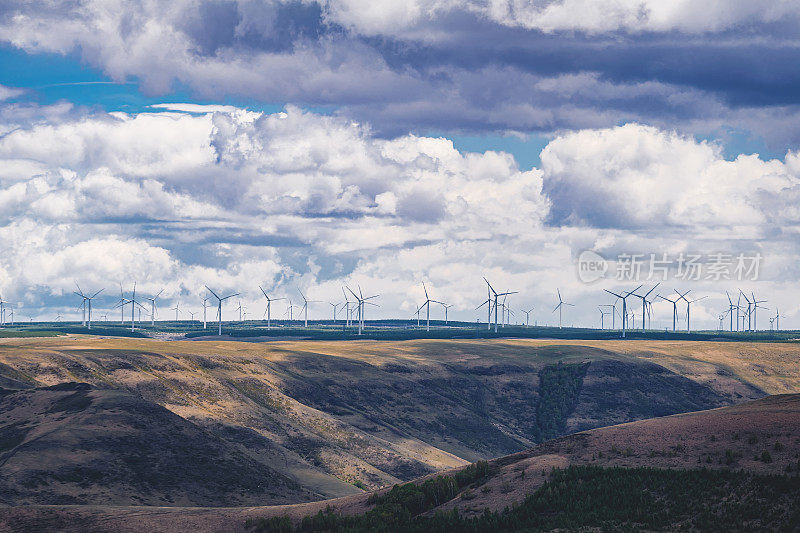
(98, 292)
(212, 292)
(490, 286)
(651, 290)
(263, 292)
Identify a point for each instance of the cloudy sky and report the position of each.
(307, 144)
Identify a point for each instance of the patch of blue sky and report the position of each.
(48, 78)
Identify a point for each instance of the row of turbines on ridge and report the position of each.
(742, 314)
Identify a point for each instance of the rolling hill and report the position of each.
(73, 444)
(315, 420)
(734, 467)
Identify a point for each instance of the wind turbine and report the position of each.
(123, 301)
(177, 310)
(288, 314)
(191, 315)
(153, 307)
(87, 302)
(219, 307)
(624, 306)
(644, 305)
(509, 313)
(289, 310)
(121, 305)
(504, 314)
(561, 304)
(305, 307)
(348, 312)
(749, 310)
(738, 309)
(362, 301)
(205, 306)
(688, 308)
(528, 316)
(674, 308)
(731, 307)
(778, 317)
(496, 295)
(335, 306)
(446, 307)
(82, 305)
(268, 310)
(2, 311)
(427, 305)
(242, 311)
(604, 313)
(487, 302)
(755, 308)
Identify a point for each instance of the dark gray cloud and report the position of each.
(427, 65)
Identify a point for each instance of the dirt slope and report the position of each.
(377, 413)
(71, 444)
(729, 438)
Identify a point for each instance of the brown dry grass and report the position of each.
(773, 367)
(724, 366)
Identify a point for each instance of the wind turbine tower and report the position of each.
(268, 310)
(305, 307)
(153, 307)
(362, 301)
(177, 310)
(87, 305)
(219, 307)
(755, 308)
(446, 307)
(494, 294)
(624, 306)
(528, 316)
(560, 306)
(427, 306)
(688, 308)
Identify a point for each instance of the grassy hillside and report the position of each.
(72, 444)
(736, 468)
(589, 497)
(370, 414)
